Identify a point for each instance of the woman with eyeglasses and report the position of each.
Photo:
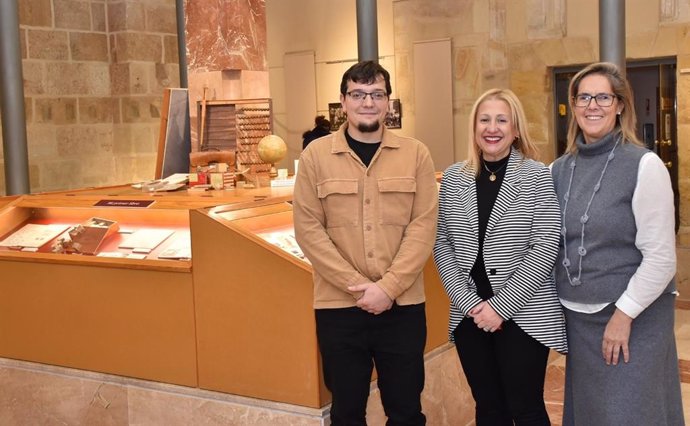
(496, 244)
(615, 272)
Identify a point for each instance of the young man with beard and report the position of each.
(365, 204)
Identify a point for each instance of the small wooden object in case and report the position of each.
(87, 237)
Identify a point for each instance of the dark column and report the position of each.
(612, 32)
(181, 43)
(12, 102)
(367, 31)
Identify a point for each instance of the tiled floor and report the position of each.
(553, 390)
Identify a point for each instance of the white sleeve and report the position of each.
(652, 206)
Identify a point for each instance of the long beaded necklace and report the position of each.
(581, 251)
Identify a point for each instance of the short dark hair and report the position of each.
(320, 121)
(365, 72)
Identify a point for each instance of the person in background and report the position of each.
(365, 204)
(322, 127)
(615, 273)
(496, 245)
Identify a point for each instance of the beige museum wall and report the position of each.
(495, 43)
(329, 30)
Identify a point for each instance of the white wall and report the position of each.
(328, 28)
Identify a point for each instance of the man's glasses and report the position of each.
(602, 99)
(358, 95)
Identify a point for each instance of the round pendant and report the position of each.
(492, 177)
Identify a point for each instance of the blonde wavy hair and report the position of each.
(522, 143)
(626, 121)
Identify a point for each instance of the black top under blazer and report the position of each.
(520, 248)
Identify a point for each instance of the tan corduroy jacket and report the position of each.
(357, 224)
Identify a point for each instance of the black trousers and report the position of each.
(505, 371)
(352, 341)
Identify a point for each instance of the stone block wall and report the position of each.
(94, 73)
(517, 43)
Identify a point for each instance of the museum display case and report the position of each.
(126, 308)
(247, 267)
(201, 289)
(123, 310)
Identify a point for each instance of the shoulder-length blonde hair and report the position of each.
(522, 143)
(626, 120)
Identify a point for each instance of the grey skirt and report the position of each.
(645, 391)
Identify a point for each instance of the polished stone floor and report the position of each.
(32, 394)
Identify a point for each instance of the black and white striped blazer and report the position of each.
(520, 248)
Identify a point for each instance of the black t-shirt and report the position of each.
(365, 151)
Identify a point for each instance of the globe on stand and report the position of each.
(271, 150)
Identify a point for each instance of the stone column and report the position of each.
(15, 153)
(612, 32)
(367, 31)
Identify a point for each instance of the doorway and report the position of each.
(653, 84)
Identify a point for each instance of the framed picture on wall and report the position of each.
(394, 116)
(336, 115)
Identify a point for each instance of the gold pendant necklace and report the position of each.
(492, 176)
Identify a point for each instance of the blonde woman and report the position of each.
(496, 245)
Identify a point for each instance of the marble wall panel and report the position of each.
(226, 35)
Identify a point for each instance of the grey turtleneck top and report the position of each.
(620, 264)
